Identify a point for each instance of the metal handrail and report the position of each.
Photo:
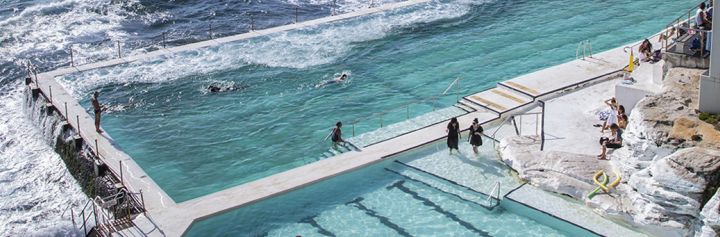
(682, 20)
(496, 188)
(406, 106)
(584, 44)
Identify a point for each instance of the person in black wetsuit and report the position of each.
(453, 130)
(475, 135)
(337, 134)
(97, 108)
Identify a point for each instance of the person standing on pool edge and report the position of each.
(453, 131)
(98, 109)
(475, 135)
(337, 134)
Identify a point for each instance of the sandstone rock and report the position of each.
(669, 164)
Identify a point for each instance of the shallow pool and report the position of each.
(402, 196)
(194, 143)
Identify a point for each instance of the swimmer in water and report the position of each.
(340, 79)
(216, 87)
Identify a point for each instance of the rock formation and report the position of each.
(670, 164)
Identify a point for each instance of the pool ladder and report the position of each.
(494, 194)
(585, 45)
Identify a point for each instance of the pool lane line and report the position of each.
(437, 208)
(383, 219)
(438, 189)
(447, 180)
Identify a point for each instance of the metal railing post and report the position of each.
(37, 82)
(163, 40)
(210, 30)
(498, 192)
(537, 125)
(333, 8)
(121, 173)
(521, 123)
(77, 119)
(83, 221)
(51, 97)
(142, 200)
(72, 216)
(97, 150)
(72, 60)
(296, 14)
(66, 112)
(118, 48)
(542, 125)
(252, 23)
(95, 214)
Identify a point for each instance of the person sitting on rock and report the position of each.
(614, 142)
(623, 121)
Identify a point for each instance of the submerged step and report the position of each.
(446, 186)
(341, 219)
(415, 213)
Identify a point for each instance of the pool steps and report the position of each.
(409, 191)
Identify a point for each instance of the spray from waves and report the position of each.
(34, 185)
(292, 49)
(44, 32)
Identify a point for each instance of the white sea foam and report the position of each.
(41, 29)
(291, 49)
(35, 186)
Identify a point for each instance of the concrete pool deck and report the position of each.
(166, 218)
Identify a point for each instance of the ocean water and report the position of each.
(398, 57)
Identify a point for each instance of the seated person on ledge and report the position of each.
(614, 142)
(646, 51)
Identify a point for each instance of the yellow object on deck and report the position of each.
(631, 64)
(603, 185)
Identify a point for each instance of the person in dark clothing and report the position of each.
(97, 108)
(453, 130)
(337, 135)
(614, 142)
(475, 135)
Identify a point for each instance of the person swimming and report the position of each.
(343, 77)
(224, 87)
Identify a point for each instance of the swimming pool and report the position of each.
(194, 143)
(402, 196)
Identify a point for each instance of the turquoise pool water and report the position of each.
(402, 196)
(194, 143)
